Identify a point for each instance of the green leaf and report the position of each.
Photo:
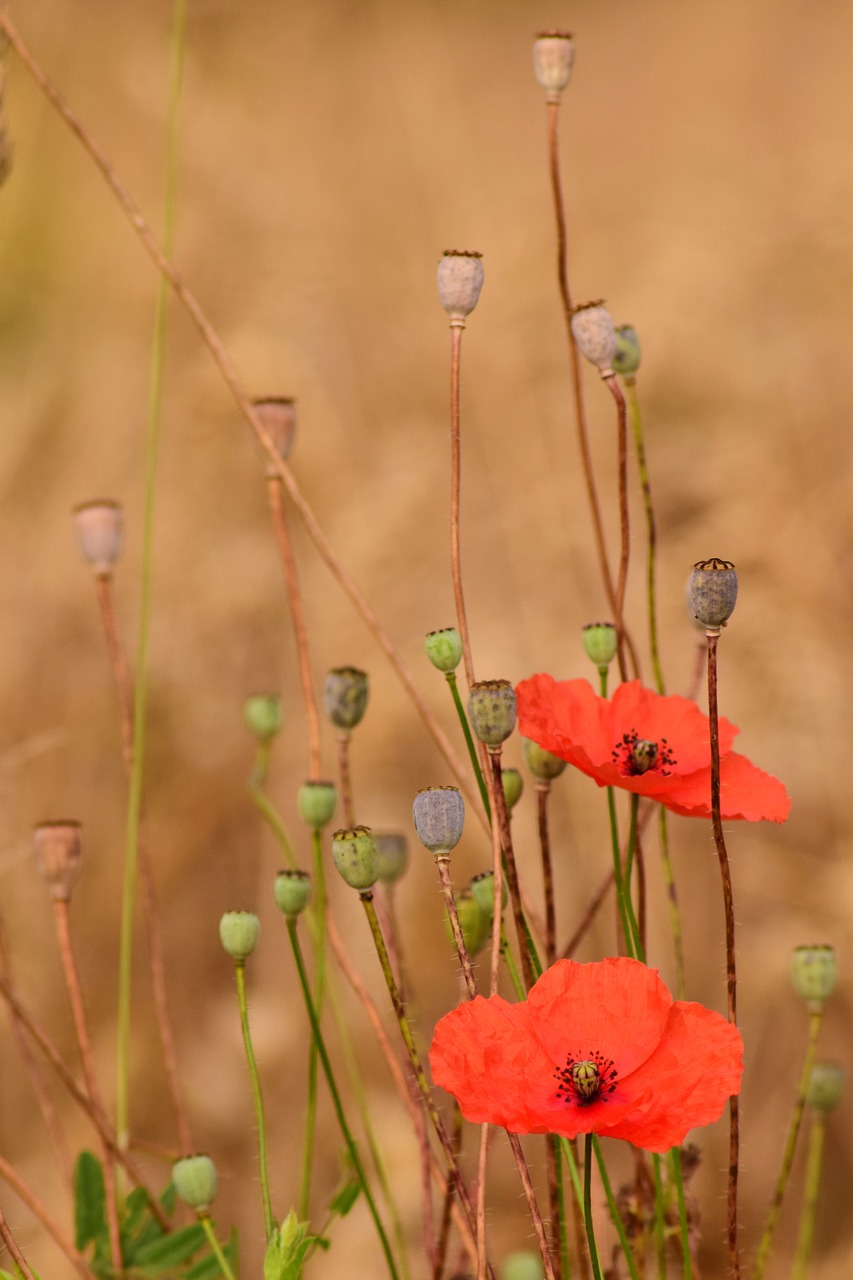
(208, 1268)
(90, 1219)
(288, 1249)
(346, 1198)
(139, 1227)
(171, 1250)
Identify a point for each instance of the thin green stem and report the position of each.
(561, 1226)
(336, 1097)
(660, 1216)
(450, 676)
(683, 1222)
(617, 873)
(216, 1247)
(140, 693)
(674, 909)
(613, 1206)
(257, 1096)
(318, 933)
(264, 805)
(511, 966)
(805, 1238)
(639, 949)
(587, 1206)
(651, 532)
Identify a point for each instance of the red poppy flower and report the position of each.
(595, 1048)
(644, 742)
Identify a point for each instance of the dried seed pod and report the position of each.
(553, 59)
(712, 592)
(292, 891)
(99, 526)
(239, 932)
(460, 279)
(278, 418)
(439, 815)
(492, 711)
(59, 853)
(354, 854)
(347, 691)
(595, 334)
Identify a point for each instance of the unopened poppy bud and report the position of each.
(292, 891)
(100, 531)
(553, 59)
(460, 279)
(491, 711)
(599, 643)
(239, 932)
(444, 648)
(347, 691)
(825, 1087)
(627, 358)
(439, 814)
(194, 1179)
(317, 801)
(354, 854)
(543, 764)
(814, 971)
(263, 715)
(524, 1265)
(483, 889)
(278, 418)
(59, 853)
(392, 851)
(595, 334)
(475, 926)
(712, 592)
(513, 785)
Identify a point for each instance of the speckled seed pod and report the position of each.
(712, 592)
(491, 711)
(99, 527)
(599, 643)
(347, 691)
(239, 932)
(595, 334)
(439, 815)
(542, 764)
(354, 854)
(483, 889)
(278, 419)
(444, 648)
(553, 59)
(513, 785)
(292, 891)
(814, 972)
(826, 1085)
(194, 1178)
(317, 802)
(59, 853)
(392, 851)
(263, 715)
(460, 279)
(627, 358)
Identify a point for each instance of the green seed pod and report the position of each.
(347, 691)
(292, 891)
(492, 711)
(814, 972)
(475, 925)
(239, 932)
(599, 643)
(595, 334)
(553, 59)
(513, 785)
(263, 715)
(99, 527)
(627, 358)
(643, 755)
(393, 854)
(543, 764)
(194, 1178)
(354, 854)
(712, 592)
(826, 1085)
(278, 419)
(524, 1265)
(444, 648)
(460, 279)
(483, 890)
(59, 854)
(317, 801)
(439, 815)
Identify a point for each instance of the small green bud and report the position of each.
(475, 924)
(553, 59)
(513, 785)
(354, 854)
(439, 814)
(194, 1178)
(595, 334)
(825, 1086)
(712, 592)
(239, 932)
(317, 801)
(460, 279)
(292, 891)
(543, 764)
(524, 1265)
(263, 715)
(59, 854)
(347, 691)
(483, 889)
(278, 418)
(393, 854)
(814, 971)
(599, 643)
(99, 526)
(444, 648)
(627, 358)
(491, 711)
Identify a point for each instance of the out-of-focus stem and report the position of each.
(31, 1200)
(456, 328)
(587, 1207)
(216, 1247)
(536, 1216)
(674, 910)
(257, 1096)
(624, 520)
(439, 1251)
(683, 1221)
(592, 1141)
(469, 741)
(543, 791)
(320, 928)
(442, 862)
(343, 740)
(557, 1240)
(651, 531)
(499, 802)
(12, 1245)
(805, 1239)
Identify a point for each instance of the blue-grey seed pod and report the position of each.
(263, 715)
(814, 972)
(392, 850)
(292, 891)
(239, 932)
(543, 764)
(595, 334)
(439, 814)
(826, 1086)
(513, 785)
(483, 889)
(599, 643)
(444, 648)
(627, 358)
(460, 279)
(278, 418)
(712, 592)
(99, 526)
(347, 691)
(194, 1178)
(492, 711)
(553, 59)
(317, 801)
(59, 854)
(354, 855)
(476, 927)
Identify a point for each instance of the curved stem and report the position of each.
(257, 1096)
(216, 1247)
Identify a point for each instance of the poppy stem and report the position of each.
(511, 870)
(624, 520)
(683, 1221)
(627, 935)
(630, 384)
(257, 1096)
(215, 1246)
(456, 328)
(538, 1225)
(442, 862)
(587, 1206)
(810, 1199)
(614, 1209)
(343, 740)
(674, 910)
(633, 848)
(543, 791)
(450, 676)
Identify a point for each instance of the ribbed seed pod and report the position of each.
(354, 855)
(712, 592)
(492, 711)
(439, 816)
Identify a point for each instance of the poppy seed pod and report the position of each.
(513, 785)
(354, 854)
(483, 889)
(599, 643)
(239, 932)
(347, 691)
(292, 891)
(59, 853)
(712, 592)
(825, 1087)
(317, 802)
(553, 59)
(543, 764)
(263, 715)
(460, 279)
(814, 972)
(444, 648)
(392, 850)
(439, 815)
(277, 415)
(475, 926)
(627, 358)
(100, 532)
(595, 334)
(194, 1179)
(491, 711)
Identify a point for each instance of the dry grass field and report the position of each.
(329, 151)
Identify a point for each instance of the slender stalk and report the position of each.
(660, 1218)
(612, 1206)
(26, 1194)
(439, 1251)
(557, 1240)
(456, 328)
(543, 791)
(319, 920)
(587, 1206)
(536, 1216)
(731, 971)
(511, 966)
(265, 806)
(621, 895)
(12, 1245)
(674, 909)
(442, 862)
(343, 740)
(450, 676)
(805, 1239)
(683, 1220)
(624, 522)
(482, 1165)
(651, 530)
(633, 854)
(216, 1247)
(511, 872)
(257, 1096)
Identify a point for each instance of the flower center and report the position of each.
(634, 755)
(586, 1080)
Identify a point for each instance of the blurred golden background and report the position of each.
(329, 151)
